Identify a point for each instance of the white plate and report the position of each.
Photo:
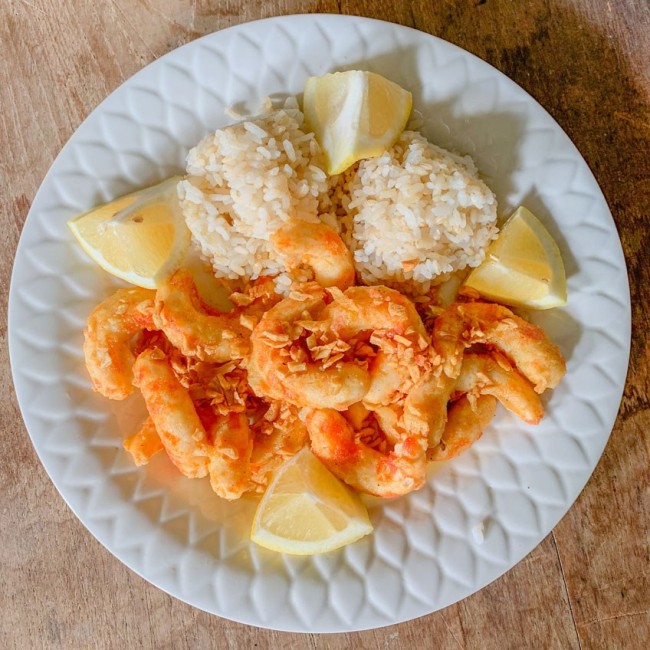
(426, 552)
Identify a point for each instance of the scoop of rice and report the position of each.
(244, 182)
(415, 215)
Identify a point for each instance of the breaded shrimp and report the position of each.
(387, 379)
(492, 374)
(173, 413)
(466, 421)
(194, 328)
(229, 467)
(108, 339)
(378, 308)
(319, 247)
(396, 327)
(525, 344)
(270, 371)
(390, 474)
(425, 406)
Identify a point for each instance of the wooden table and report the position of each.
(588, 584)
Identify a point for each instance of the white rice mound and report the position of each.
(415, 215)
(244, 182)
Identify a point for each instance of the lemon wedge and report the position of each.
(523, 267)
(354, 115)
(140, 237)
(307, 510)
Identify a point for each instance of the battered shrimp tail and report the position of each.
(172, 413)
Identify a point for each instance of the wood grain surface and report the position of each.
(588, 584)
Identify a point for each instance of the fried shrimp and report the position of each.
(384, 311)
(274, 373)
(194, 328)
(396, 329)
(229, 466)
(173, 413)
(199, 441)
(279, 435)
(318, 247)
(483, 380)
(385, 473)
(425, 406)
(108, 339)
(386, 381)
(523, 343)
(466, 421)
(144, 443)
(492, 374)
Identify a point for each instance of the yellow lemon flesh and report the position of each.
(354, 115)
(523, 267)
(140, 237)
(307, 510)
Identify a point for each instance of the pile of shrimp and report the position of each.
(377, 387)
(189, 363)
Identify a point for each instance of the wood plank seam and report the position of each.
(566, 590)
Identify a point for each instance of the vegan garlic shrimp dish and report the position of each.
(374, 315)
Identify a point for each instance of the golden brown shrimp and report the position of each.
(525, 344)
(387, 473)
(144, 443)
(423, 411)
(279, 435)
(492, 374)
(319, 247)
(396, 329)
(108, 339)
(483, 379)
(275, 374)
(193, 327)
(387, 381)
(379, 309)
(173, 413)
(466, 421)
(229, 468)
(222, 451)
(425, 407)
(389, 318)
